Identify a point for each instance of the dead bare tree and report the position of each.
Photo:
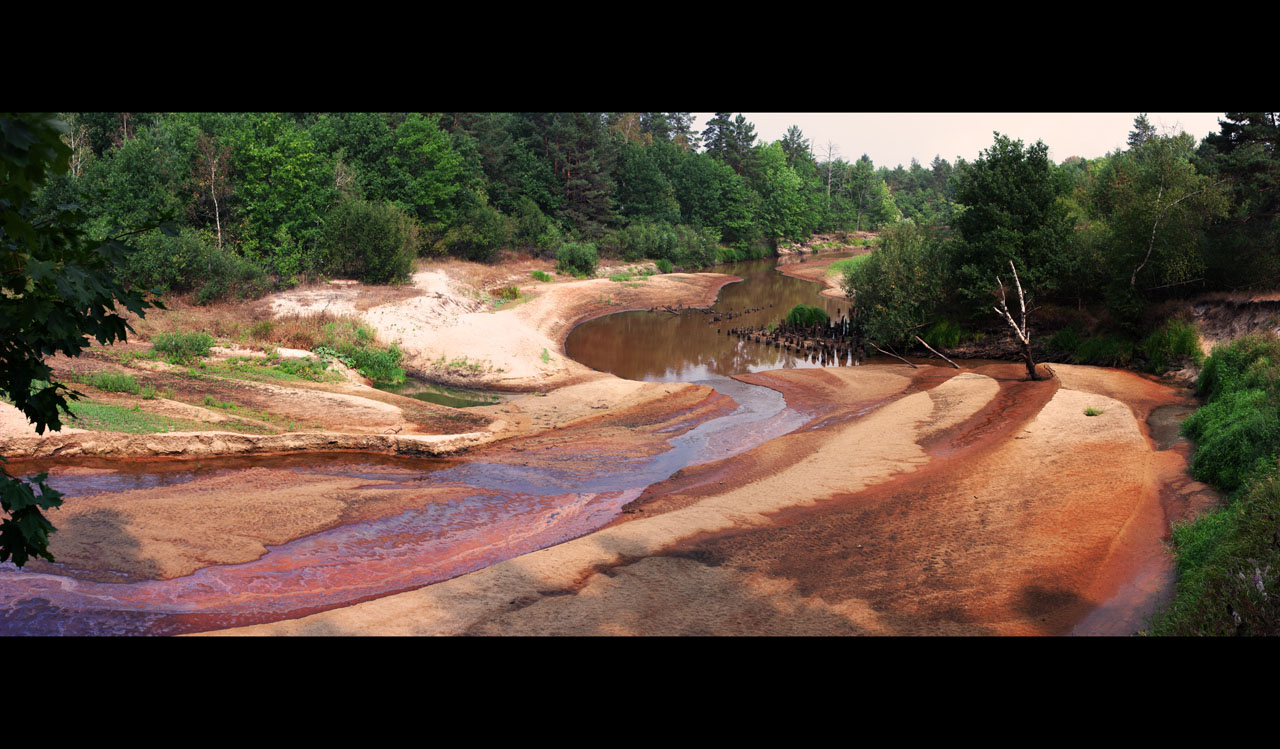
(1024, 336)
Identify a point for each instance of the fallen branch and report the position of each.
(886, 353)
(945, 359)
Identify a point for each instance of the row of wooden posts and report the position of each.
(825, 342)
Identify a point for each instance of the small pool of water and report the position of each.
(692, 345)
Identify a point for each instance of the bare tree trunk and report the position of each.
(1021, 330)
(213, 193)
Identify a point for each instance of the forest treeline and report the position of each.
(264, 199)
(1098, 243)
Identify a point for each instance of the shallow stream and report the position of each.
(508, 510)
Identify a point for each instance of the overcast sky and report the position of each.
(892, 139)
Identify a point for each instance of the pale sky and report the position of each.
(892, 139)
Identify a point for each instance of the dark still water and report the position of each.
(691, 346)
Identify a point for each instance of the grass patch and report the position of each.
(840, 267)
(355, 345)
(805, 316)
(1176, 340)
(1092, 411)
(182, 348)
(114, 382)
(546, 356)
(949, 334)
(541, 275)
(106, 417)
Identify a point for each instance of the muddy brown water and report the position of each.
(692, 346)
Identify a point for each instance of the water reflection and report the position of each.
(691, 346)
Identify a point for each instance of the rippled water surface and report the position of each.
(505, 510)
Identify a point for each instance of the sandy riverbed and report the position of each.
(924, 502)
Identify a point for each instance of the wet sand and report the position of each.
(919, 502)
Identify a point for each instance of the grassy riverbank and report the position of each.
(1228, 560)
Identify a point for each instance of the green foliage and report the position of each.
(191, 262)
(105, 417)
(1229, 567)
(532, 229)
(546, 356)
(285, 187)
(1176, 339)
(664, 265)
(478, 237)
(58, 290)
(355, 345)
(805, 316)
(948, 334)
(1237, 431)
(1012, 212)
(182, 348)
(540, 275)
(897, 288)
(113, 382)
(683, 245)
(424, 169)
(376, 243)
(1092, 411)
(577, 258)
(1104, 351)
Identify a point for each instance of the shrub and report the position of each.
(1105, 351)
(532, 229)
(113, 382)
(355, 345)
(946, 334)
(1175, 340)
(376, 243)
(182, 348)
(1065, 342)
(664, 265)
(541, 275)
(577, 258)
(805, 315)
(478, 237)
(191, 261)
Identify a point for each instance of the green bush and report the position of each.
(1174, 341)
(664, 265)
(478, 237)
(577, 258)
(355, 345)
(191, 262)
(1065, 342)
(946, 334)
(541, 275)
(805, 315)
(182, 348)
(1104, 351)
(113, 382)
(532, 229)
(375, 243)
